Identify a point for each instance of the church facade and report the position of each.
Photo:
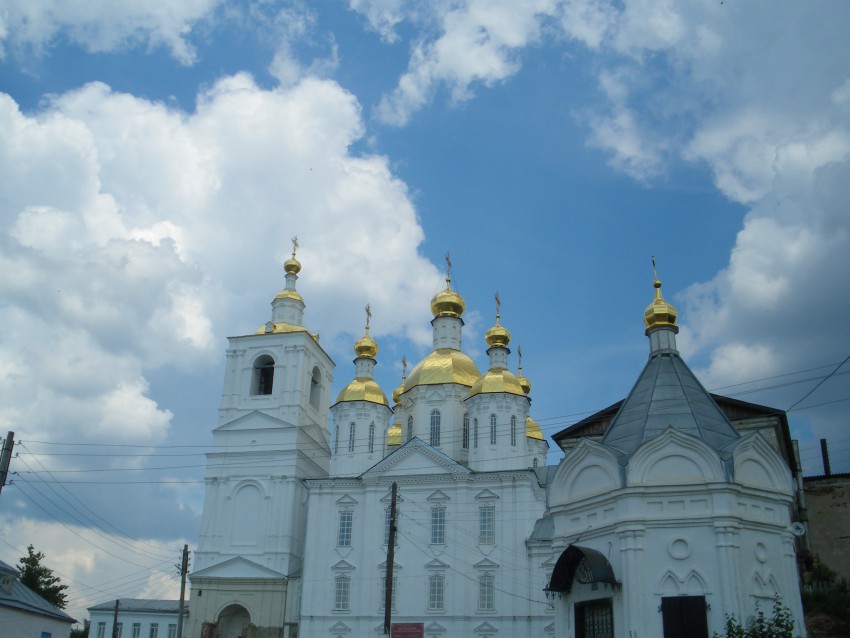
(488, 540)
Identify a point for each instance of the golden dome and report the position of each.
(659, 313)
(498, 336)
(532, 430)
(363, 389)
(292, 266)
(279, 327)
(366, 347)
(444, 365)
(447, 303)
(289, 294)
(524, 383)
(394, 434)
(398, 392)
(497, 380)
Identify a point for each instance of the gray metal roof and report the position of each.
(149, 605)
(668, 395)
(24, 599)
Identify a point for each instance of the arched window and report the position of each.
(513, 431)
(435, 428)
(410, 427)
(351, 430)
(371, 437)
(475, 433)
(466, 430)
(263, 377)
(492, 429)
(336, 439)
(315, 387)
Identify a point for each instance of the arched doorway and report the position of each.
(232, 620)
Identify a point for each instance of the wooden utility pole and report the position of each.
(115, 621)
(388, 600)
(6, 457)
(184, 567)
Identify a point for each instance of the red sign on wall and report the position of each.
(408, 630)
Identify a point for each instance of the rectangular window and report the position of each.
(101, 630)
(438, 525)
(119, 628)
(487, 525)
(137, 630)
(343, 537)
(383, 593)
(154, 630)
(172, 631)
(486, 592)
(342, 594)
(436, 592)
(594, 619)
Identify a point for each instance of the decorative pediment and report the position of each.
(238, 567)
(396, 566)
(256, 420)
(589, 469)
(434, 628)
(416, 458)
(758, 464)
(485, 627)
(340, 628)
(342, 566)
(486, 495)
(674, 458)
(486, 563)
(435, 396)
(438, 496)
(345, 499)
(436, 564)
(389, 498)
(550, 628)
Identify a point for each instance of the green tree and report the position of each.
(82, 632)
(41, 580)
(780, 625)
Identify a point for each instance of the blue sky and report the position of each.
(157, 157)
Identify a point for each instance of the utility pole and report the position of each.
(388, 600)
(184, 567)
(6, 457)
(115, 621)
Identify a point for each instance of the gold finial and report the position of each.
(368, 317)
(448, 270)
(523, 382)
(447, 303)
(403, 368)
(659, 313)
(366, 346)
(292, 266)
(497, 336)
(519, 357)
(498, 306)
(654, 270)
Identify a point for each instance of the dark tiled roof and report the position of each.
(149, 605)
(26, 600)
(668, 395)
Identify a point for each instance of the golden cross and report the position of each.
(404, 366)
(368, 315)
(654, 271)
(294, 245)
(519, 356)
(448, 267)
(498, 304)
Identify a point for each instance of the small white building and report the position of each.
(673, 520)
(25, 613)
(137, 618)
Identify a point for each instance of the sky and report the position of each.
(157, 157)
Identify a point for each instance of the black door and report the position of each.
(684, 617)
(595, 619)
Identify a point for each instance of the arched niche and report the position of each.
(758, 464)
(589, 469)
(232, 621)
(262, 377)
(674, 458)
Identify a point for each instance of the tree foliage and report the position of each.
(780, 625)
(41, 580)
(82, 632)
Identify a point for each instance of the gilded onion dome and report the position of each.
(443, 365)
(532, 430)
(660, 313)
(447, 303)
(524, 383)
(363, 389)
(498, 336)
(394, 434)
(292, 266)
(497, 380)
(398, 392)
(366, 347)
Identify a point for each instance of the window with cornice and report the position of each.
(513, 431)
(435, 428)
(438, 525)
(342, 592)
(436, 592)
(346, 522)
(466, 430)
(352, 428)
(475, 433)
(371, 437)
(486, 592)
(487, 524)
(492, 429)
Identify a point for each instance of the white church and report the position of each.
(665, 525)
